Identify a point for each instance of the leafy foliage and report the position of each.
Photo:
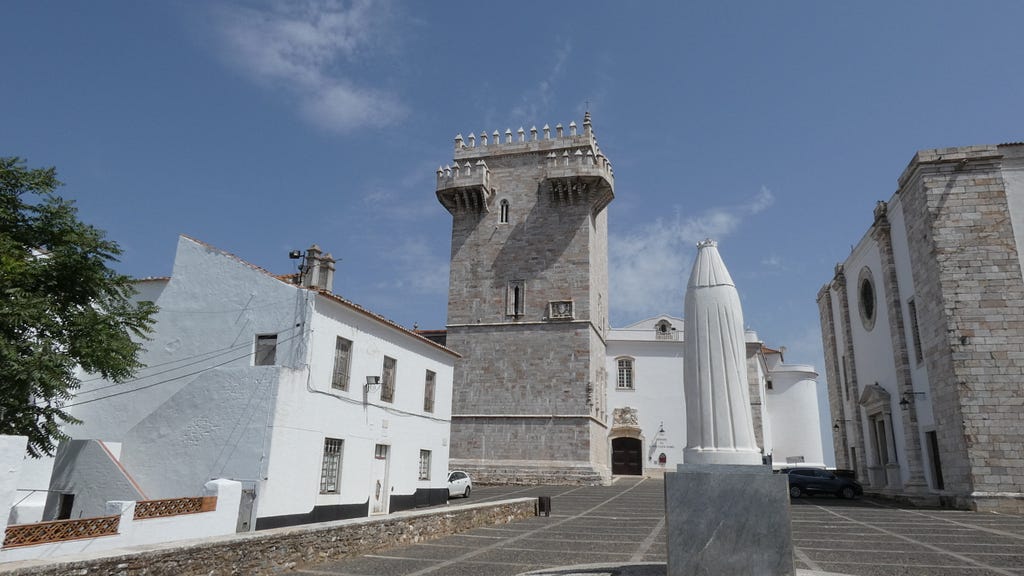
(61, 307)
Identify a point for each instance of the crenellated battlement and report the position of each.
(465, 187)
(571, 159)
(543, 141)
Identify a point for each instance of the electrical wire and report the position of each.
(246, 355)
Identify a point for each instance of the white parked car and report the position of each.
(459, 484)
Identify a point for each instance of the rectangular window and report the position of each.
(428, 392)
(625, 381)
(266, 350)
(342, 359)
(387, 380)
(915, 333)
(330, 471)
(424, 464)
(515, 298)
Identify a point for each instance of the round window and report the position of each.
(868, 304)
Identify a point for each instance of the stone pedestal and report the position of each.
(727, 520)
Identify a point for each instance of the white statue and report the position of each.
(719, 426)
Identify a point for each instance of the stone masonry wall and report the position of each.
(279, 551)
(971, 316)
(526, 363)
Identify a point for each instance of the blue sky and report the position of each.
(259, 127)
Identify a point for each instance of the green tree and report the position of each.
(61, 307)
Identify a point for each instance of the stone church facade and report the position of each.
(527, 304)
(923, 332)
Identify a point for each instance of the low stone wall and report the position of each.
(279, 550)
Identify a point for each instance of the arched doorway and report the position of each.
(627, 456)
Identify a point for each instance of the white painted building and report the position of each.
(322, 409)
(648, 411)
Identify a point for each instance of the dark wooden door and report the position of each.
(626, 457)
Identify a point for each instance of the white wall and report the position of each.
(792, 406)
(309, 410)
(202, 410)
(132, 532)
(90, 470)
(657, 388)
(12, 458)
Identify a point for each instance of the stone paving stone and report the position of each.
(858, 538)
(549, 558)
(901, 570)
(376, 565)
(487, 569)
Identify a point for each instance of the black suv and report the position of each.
(812, 481)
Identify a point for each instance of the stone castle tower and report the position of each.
(527, 304)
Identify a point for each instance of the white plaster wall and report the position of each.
(658, 390)
(201, 409)
(32, 490)
(792, 407)
(133, 532)
(89, 469)
(210, 311)
(874, 356)
(12, 459)
(309, 410)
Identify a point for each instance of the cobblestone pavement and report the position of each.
(624, 524)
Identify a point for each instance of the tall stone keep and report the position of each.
(527, 304)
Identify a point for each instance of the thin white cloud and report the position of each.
(648, 268)
(309, 49)
(423, 270)
(538, 99)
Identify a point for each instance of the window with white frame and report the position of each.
(330, 470)
(387, 380)
(625, 378)
(266, 350)
(342, 361)
(429, 385)
(424, 464)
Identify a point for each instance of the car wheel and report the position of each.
(848, 493)
(795, 492)
(466, 493)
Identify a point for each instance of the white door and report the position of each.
(380, 492)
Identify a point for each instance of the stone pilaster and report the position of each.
(850, 408)
(881, 232)
(833, 376)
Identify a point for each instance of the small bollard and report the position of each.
(544, 506)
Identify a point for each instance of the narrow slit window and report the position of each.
(503, 218)
(516, 298)
(915, 332)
